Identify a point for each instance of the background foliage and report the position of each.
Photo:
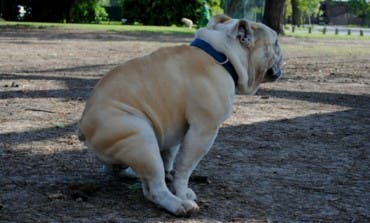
(85, 11)
(148, 12)
(304, 9)
(360, 8)
(165, 12)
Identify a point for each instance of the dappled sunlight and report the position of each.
(297, 150)
(259, 109)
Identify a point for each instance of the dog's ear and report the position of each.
(217, 19)
(243, 32)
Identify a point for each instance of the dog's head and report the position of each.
(252, 48)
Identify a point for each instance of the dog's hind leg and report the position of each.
(140, 151)
(114, 169)
(169, 157)
(197, 142)
(119, 170)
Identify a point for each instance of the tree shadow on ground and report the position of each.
(296, 169)
(348, 100)
(80, 88)
(301, 168)
(76, 88)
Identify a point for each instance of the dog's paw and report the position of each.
(190, 195)
(129, 173)
(187, 194)
(187, 208)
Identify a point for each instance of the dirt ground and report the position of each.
(298, 151)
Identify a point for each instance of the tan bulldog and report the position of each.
(160, 113)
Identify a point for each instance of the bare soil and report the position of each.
(298, 151)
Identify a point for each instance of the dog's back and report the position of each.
(154, 87)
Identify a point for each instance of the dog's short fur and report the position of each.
(161, 113)
(187, 22)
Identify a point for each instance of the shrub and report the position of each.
(86, 11)
(165, 12)
(361, 8)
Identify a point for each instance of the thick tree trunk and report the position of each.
(1, 8)
(274, 15)
(296, 14)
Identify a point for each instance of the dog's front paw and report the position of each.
(190, 195)
(187, 208)
(187, 194)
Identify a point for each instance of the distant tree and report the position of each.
(360, 8)
(296, 13)
(274, 15)
(86, 11)
(233, 6)
(252, 10)
(308, 8)
(299, 9)
(165, 12)
(38, 10)
(288, 10)
(216, 6)
(155, 12)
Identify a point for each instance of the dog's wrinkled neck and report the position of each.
(221, 58)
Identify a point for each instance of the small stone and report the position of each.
(55, 196)
(14, 84)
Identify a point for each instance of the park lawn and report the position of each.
(117, 27)
(104, 27)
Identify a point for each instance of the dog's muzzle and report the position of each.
(274, 73)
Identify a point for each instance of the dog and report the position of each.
(159, 114)
(188, 23)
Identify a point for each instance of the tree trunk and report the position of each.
(274, 15)
(1, 8)
(296, 14)
(232, 8)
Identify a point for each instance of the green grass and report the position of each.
(103, 27)
(117, 27)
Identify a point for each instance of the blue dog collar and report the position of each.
(219, 57)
